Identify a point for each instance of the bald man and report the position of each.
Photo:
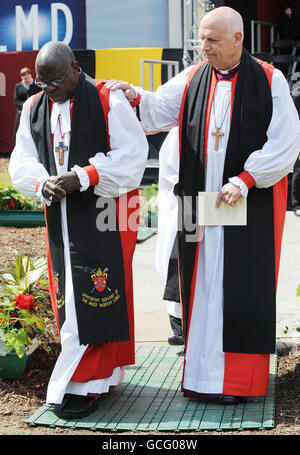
(239, 137)
(81, 150)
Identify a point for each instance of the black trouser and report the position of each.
(295, 186)
(172, 284)
(176, 325)
(172, 287)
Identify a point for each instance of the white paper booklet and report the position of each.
(224, 215)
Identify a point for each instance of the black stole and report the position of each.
(249, 257)
(96, 257)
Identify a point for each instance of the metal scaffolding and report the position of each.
(193, 11)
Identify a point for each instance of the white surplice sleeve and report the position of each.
(278, 155)
(167, 201)
(122, 168)
(160, 110)
(25, 168)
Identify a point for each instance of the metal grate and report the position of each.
(149, 399)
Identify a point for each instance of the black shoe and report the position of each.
(230, 399)
(75, 406)
(175, 341)
(297, 212)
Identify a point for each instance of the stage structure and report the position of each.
(193, 11)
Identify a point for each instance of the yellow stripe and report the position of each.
(124, 64)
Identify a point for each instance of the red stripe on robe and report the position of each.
(51, 281)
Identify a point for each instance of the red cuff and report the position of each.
(37, 186)
(247, 179)
(93, 175)
(136, 101)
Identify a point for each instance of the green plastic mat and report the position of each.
(149, 399)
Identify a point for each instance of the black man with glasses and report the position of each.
(81, 150)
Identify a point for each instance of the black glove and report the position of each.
(52, 192)
(68, 182)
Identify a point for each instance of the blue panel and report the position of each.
(33, 22)
(131, 23)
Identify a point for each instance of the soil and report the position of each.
(20, 398)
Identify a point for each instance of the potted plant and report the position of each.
(25, 310)
(18, 210)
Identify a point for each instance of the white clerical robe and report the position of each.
(120, 170)
(205, 359)
(167, 210)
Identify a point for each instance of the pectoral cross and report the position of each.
(217, 134)
(61, 149)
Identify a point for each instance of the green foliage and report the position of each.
(150, 191)
(297, 328)
(298, 295)
(22, 276)
(24, 303)
(12, 199)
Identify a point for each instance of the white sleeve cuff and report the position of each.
(242, 185)
(83, 177)
(39, 193)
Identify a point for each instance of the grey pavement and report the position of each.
(151, 318)
(288, 304)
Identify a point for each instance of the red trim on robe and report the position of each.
(137, 100)
(92, 174)
(280, 191)
(246, 374)
(104, 94)
(51, 281)
(34, 97)
(99, 361)
(247, 179)
(191, 74)
(268, 69)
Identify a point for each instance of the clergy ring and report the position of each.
(50, 198)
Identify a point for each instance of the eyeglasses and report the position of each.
(55, 83)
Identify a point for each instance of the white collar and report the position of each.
(27, 86)
(229, 69)
(62, 109)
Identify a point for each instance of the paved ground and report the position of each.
(288, 305)
(152, 323)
